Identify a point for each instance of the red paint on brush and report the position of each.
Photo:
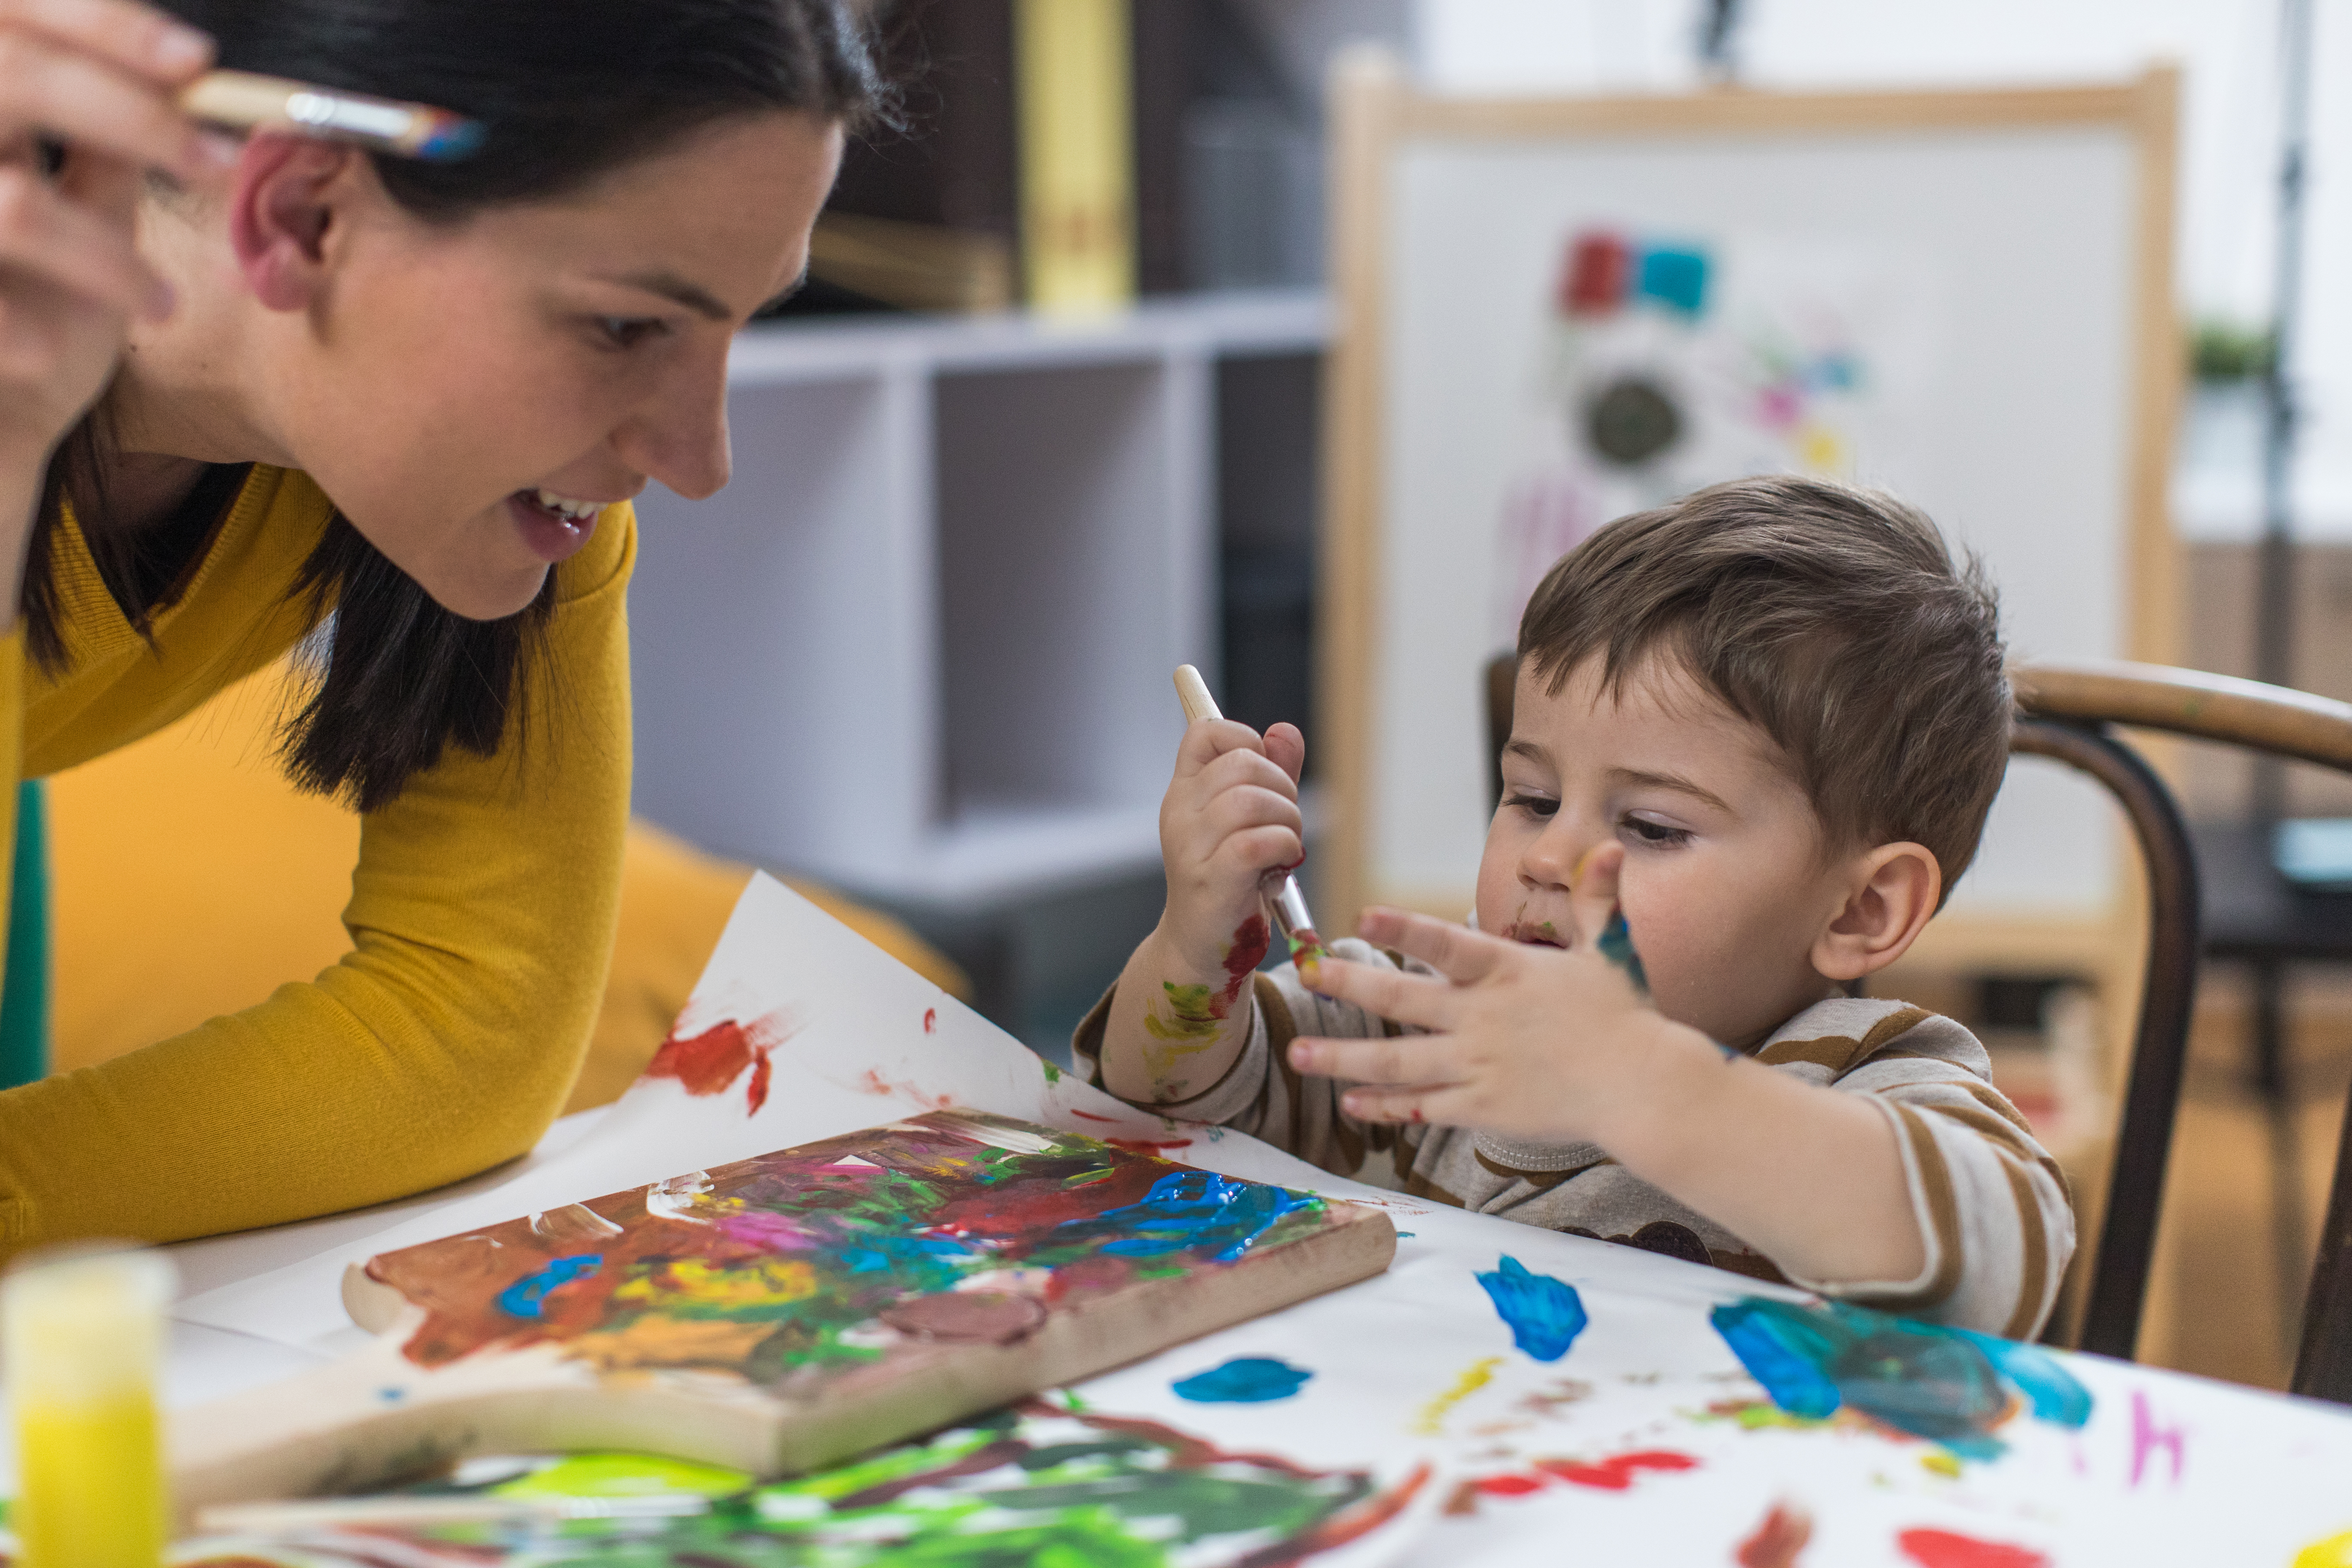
(1944, 1549)
(1616, 1474)
(1149, 1146)
(930, 1020)
(710, 1063)
(1783, 1532)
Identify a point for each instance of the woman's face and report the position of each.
(469, 393)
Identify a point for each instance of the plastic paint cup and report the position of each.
(83, 1337)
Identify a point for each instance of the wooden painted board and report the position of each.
(785, 1312)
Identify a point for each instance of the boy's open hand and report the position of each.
(1528, 1042)
(1231, 814)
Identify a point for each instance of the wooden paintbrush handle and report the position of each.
(1194, 693)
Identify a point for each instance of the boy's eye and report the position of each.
(1650, 832)
(1541, 806)
(628, 331)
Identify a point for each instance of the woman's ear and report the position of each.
(1893, 891)
(284, 201)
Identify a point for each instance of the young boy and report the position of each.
(1765, 724)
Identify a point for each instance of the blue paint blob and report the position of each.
(1948, 1385)
(1192, 1211)
(1245, 1380)
(1674, 279)
(522, 1299)
(1616, 945)
(1545, 1314)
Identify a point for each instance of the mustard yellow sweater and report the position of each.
(481, 920)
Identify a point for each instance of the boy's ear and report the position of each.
(1894, 890)
(286, 199)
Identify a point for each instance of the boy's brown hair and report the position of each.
(1831, 617)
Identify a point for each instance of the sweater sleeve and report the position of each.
(1992, 1204)
(1262, 1094)
(481, 919)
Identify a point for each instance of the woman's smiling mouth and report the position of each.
(554, 527)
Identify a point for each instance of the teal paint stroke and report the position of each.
(1948, 1385)
(1197, 1212)
(1545, 1314)
(523, 1298)
(1245, 1380)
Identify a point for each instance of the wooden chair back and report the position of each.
(2066, 712)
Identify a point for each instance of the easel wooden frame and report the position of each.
(1375, 112)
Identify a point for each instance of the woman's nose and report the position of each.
(680, 437)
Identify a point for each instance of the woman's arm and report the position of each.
(481, 917)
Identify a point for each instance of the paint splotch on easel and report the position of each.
(800, 1260)
(1947, 1385)
(710, 1062)
(1244, 1380)
(1545, 1314)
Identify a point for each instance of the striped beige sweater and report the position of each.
(1992, 1204)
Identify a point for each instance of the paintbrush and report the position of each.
(400, 1511)
(244, 101)
(1283, 898)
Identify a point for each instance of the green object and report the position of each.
(25, 1002)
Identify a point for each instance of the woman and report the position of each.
(257, 392)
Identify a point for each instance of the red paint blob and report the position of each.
(1783, 1532)
(1508, 1486)
(873, 1082)
(1150, 1147)
(1943, 1549)
(1092, 1117)
(1617, 1473)
(1242, 957)
(930, 1020)
(710, 1062)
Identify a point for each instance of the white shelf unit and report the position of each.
(919, 646)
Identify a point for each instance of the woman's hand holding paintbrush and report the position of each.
(1229, 822)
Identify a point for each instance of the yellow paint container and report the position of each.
(83, 1338)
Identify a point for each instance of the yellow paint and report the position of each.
(1942, 1463)
(2335, 1551)
(770, 1283)
(1078, 174)
(1431, 1422)
(1820, 450)
(83, 1337)
(654, 1341)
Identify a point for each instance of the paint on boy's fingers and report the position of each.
(1616, 945)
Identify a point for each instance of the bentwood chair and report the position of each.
(2068, 713)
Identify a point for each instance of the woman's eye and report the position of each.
(1650, 832)
(626, 331)
(1541, 805)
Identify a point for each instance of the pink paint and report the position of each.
(1944, 1549)
(967, 1316)
(2147, 1438)
(765, 1229)
(930, 1020)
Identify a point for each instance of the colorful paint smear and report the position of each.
(1430, 1421)
(710, 1063)
(1952, 1386)
(2148, 1439)
(1606, 273)
(1946, 1549)
(1545, 1314)
(1616, 945)
(1038, 1484)
(1784, 1531)
(2335, 1551)
(1188, 1019)
(1245, 1380)
(1616, 1474)
(831, 1255)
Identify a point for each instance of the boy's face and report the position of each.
(1724, 886)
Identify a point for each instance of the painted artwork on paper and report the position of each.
(949, 1229)
(1669, 362)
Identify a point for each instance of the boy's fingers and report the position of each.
(1410, 1106)
(1414, 999)
(1423, 1060)
(1287, 747)
(1461, 954)
(136, 37)
(1592, 890)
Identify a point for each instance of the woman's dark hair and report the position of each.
(567, 91)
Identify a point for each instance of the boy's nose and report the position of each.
(1593, 890)
(1549, 863)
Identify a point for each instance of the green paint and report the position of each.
(623, 1476)
(1160, 1271)
(1053, 1073)
(1191, 1013)
(1088, 1178)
